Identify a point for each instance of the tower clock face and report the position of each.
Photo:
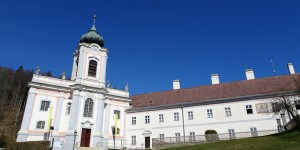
(94, 48)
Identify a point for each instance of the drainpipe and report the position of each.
(183, 123)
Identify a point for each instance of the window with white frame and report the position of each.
(249, 109)
(68, 109)
(45, 105)
(192, 137)
(177, 137)
(176, 116)
(161, 117)
(190, 115)
(92, 68)
(161, 137)
(133, 140)
(40, 125)
(117, 114)
(133, 120)
(209, 113)
(227, 111)
(147, 119)
(253, 131)
(231, 134)
(297, 104)
(88, 108)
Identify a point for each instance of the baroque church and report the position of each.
(82, 110)
(85, 112)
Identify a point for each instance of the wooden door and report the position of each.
(147, 142)
(85, 137)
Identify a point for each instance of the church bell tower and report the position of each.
(89, 65)
(88, 91)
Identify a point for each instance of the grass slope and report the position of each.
(284, 141)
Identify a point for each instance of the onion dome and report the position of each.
(92, 36)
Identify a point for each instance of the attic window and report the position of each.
(92, 68)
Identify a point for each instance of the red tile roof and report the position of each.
(218, 91)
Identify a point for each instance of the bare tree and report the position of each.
(287, 102)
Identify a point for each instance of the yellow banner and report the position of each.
(49, 119)
(116, 124)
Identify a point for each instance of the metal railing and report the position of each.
(158, 143)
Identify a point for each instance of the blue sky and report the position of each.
(153, 42)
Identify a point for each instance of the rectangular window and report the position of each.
(115, 131)
(117, 114)
(231, 134)
(176, 116)
(45, 105)
(227, 111)
(275, 107)
(253, 132)
(133, 120)
(249, 109)
(40, 125)
(190, 115)
(162, 137)
(133, 140)
(68, 109)
(297, 104)
(209, 113)
(161, 117)
(192, 137)
(147, 119)
(177, 137)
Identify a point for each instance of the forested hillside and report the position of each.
(13, 96)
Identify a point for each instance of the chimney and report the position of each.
(249, 74)
(215, 79)
(176, 84)
(291, 68)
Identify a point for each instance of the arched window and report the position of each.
(92, 68)
(68, 109)
(40, 125)
(88, 108)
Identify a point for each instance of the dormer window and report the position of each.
(92, 68)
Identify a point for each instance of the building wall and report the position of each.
(239, 120)
(37, 114)
(83, 122)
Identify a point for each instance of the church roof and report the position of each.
(92, 36)
(223, 91)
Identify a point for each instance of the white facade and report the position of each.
(83, 106)
(223, 114)
(239, 120)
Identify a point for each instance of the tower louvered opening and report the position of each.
(92, 68)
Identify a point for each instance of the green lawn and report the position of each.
(285, 141)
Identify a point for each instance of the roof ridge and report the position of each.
(221, 84)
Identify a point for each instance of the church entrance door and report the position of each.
(85, 137)
(147, 142)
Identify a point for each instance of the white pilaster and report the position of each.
(23, 133)
(69, 139)
(106, 119)
(58, 111)
(75, 68)
(103, 71)
(98, 136)
(81, 63)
